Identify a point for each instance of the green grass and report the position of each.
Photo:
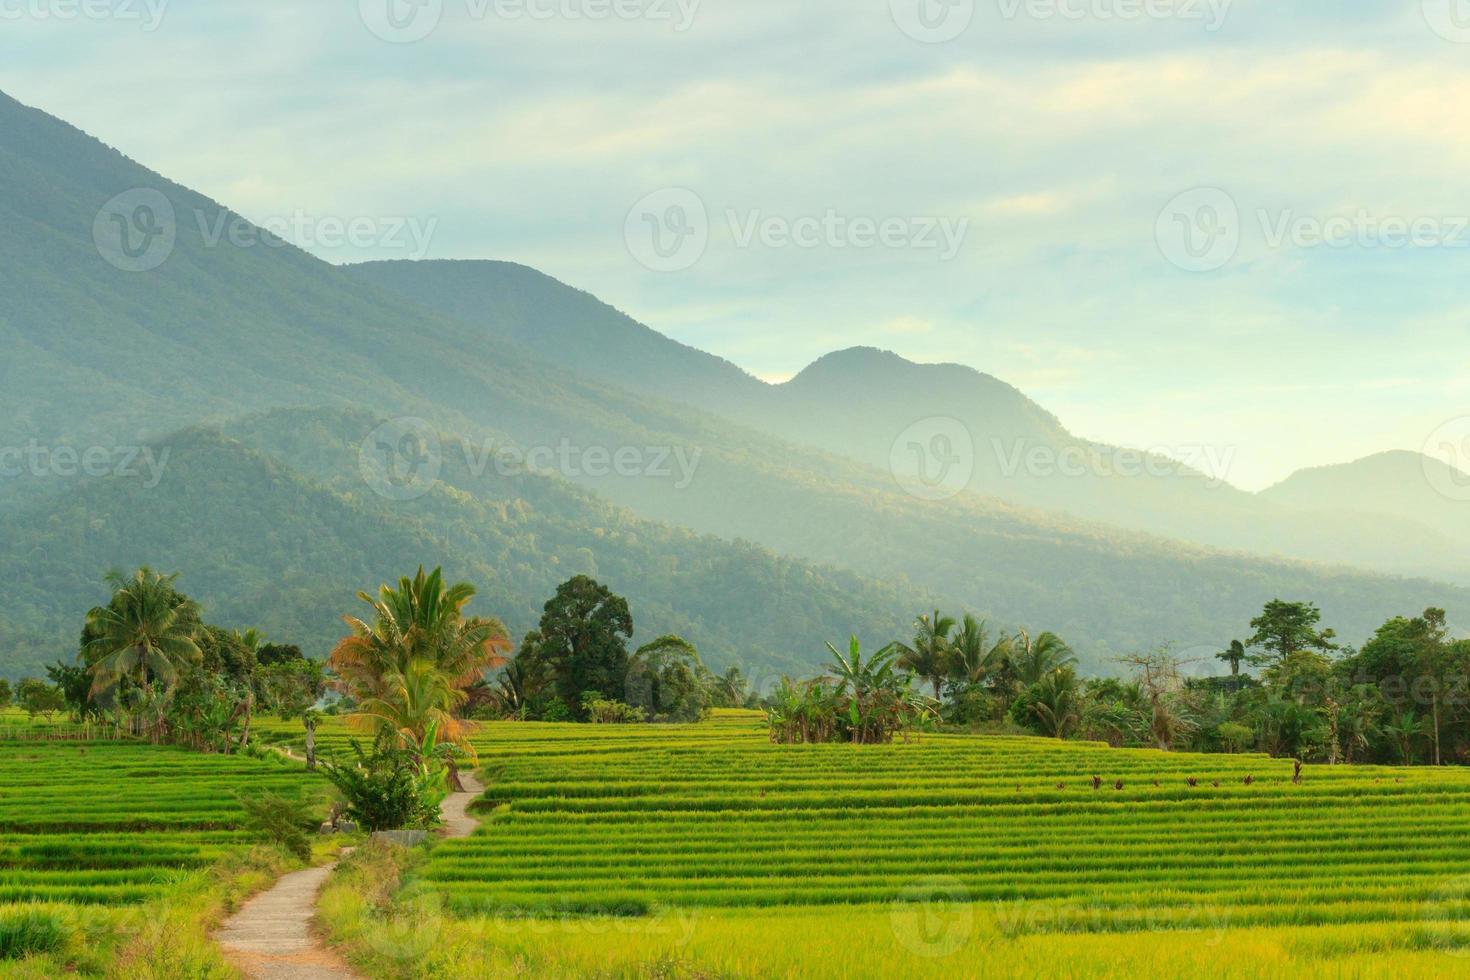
(113, 823)
(705, 851)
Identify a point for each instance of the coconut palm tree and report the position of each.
(971, 654)
(409, 667)
(146, 632)
(928, 655)
(1057, 706)
(1033, 660)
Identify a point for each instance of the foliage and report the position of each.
(409, 667)
(866, 701)
(581, 642)
(145, 633)
(667, 681)
(386, 789)
(602, 711)
(31, 930)
(36, 697)
(284, 820)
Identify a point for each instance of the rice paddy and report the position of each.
(956, 854)
(110, 823)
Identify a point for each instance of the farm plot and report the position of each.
(632, 821)
(108, 823)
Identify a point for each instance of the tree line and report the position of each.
(1292, 691)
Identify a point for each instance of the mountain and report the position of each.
(881, 410)
(272, 527)
(205, 320)
(1403, 486)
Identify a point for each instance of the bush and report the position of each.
(29, 931)
(601, 711)
(385, 790)
(285, 821)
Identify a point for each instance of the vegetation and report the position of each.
(706, 850)
(1403, 698)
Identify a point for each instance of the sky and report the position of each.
(1174, 223)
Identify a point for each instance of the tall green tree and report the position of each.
(583, 641)
(972, 653)
(409, 664)
(1233, 655)
(1284, 629)
(146, 632)
(1034, 659)
(928, 653)
(664, 680)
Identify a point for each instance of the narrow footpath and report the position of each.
(271, 938)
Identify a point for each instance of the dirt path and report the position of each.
(270, 938)
(456, 820)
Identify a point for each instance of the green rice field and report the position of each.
(110, 823)
(949, 856)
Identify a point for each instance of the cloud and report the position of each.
(1058, 142)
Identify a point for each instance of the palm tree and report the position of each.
(410, 666)
(1402, 729)
(730, 688)
(1035, 659)
(146, 632)
(1057, 706)
(929, 654)
(972, 655)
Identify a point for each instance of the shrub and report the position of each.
(602, 711)
(284, 820)
(385, 790)
(28, 931)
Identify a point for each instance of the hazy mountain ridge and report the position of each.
(220, 331)
(859, 402)
(264, 543)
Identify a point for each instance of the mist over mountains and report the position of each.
(277, 393)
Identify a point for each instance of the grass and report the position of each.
(705, 851)
(117, 857)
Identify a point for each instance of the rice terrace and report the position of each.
(711, 490)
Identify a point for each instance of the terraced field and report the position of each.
(715, 851)
(108, 823)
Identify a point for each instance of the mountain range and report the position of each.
(290, 404)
